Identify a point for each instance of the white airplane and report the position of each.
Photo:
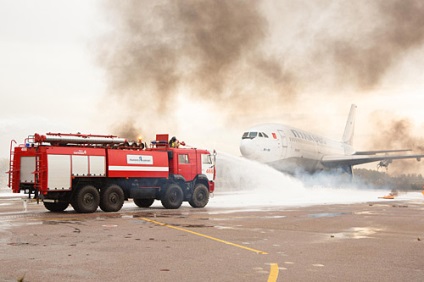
(293, 150)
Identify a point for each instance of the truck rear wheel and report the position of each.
(86, 200)
(173, 197)
(144, 203)
(111, 198)
(200, 196)
(56, 207)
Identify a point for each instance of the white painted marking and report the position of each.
(138, 168)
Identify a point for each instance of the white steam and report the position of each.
(248, 184)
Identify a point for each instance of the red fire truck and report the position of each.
(88, 171)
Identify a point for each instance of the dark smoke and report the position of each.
(129, 130)
(220, 51)
(398, 134)
(389, 29)
(211, 49)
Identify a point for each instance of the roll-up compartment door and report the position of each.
(59, 172)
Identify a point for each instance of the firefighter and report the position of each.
(174, 143)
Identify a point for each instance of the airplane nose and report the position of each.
(246, 148)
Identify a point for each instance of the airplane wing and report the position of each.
(380, 151)
(332, 161)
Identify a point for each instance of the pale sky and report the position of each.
(50, 82)
(48, 79)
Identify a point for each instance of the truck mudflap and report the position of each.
(211, 187)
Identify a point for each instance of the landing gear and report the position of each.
(349, 171)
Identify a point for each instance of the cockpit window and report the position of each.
(249, 135)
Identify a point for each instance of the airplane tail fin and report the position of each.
(350, 126)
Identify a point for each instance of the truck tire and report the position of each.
(111, 198)
(200, 196)
(143, 203)
(86, 200)
(56, 207)
(173, 197)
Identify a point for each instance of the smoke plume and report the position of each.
(247, 55)
(397, 134)
(209, 48)
(361, 40)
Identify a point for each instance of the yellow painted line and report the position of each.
(273, 273)
(204, 236)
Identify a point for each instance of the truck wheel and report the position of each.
(173, 197)
(200, 196)
(56, 207)
(143, 203)
(111, 198)
(86, 200)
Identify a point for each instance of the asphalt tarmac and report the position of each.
(373, 241)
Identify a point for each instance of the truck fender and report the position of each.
(177, 178)
(181, 181)
(201, 178)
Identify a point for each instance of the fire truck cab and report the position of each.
(91, 171)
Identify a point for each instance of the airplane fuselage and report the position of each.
(289, 149)
(294, 150)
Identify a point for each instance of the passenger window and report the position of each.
(183, 159)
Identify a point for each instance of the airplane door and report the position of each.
(284, 143)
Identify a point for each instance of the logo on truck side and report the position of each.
(138, 159)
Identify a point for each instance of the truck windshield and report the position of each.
(206, 159)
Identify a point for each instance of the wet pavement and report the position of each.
(380, 241)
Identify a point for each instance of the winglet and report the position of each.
(350, 126)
